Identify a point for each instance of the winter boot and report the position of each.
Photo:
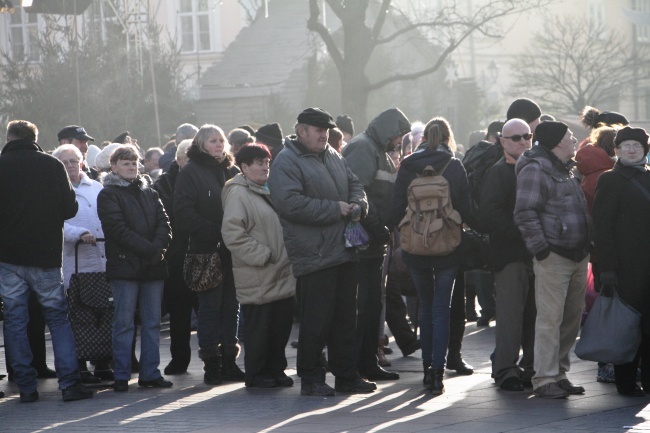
(230, 370)
(211, 365)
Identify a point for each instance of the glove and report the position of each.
(608, 282)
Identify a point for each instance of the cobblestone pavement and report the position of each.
(470, 404)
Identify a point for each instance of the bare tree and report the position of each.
(569, 65)
(445, 27)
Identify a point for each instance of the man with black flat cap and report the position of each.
(315, 194)
(78, 136)
(551, 214)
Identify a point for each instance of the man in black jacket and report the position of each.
(38, 198)
(511, 263)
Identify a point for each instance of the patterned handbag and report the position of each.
(91, 310)
(202, 272)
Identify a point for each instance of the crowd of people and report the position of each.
(277, 220)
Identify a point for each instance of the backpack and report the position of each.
(478, 159)
(431, 227)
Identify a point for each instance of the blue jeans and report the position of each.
(126, 294)
(434, 288)
(16, 283)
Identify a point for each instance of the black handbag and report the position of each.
(611, 333)
(91, 310)
(202, 272)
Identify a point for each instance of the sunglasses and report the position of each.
(519, 137)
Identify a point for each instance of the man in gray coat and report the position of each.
(315, 194)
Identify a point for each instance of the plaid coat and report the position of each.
(551, 209)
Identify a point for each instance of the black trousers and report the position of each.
(396, 315)
(457, 314)
(267, 328)
(368, 313)
(626, 373)
(328, 317)
(35, 335)
(179, 301)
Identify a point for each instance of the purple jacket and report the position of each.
(551, 210)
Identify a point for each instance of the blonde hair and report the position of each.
(603, 137)
(205, 132)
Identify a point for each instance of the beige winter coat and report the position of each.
(252, 232)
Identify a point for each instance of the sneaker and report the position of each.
(76, 392)
(550, 390)
(566, 385)
(28, 397)
(156, 383)
(316, 389)
(357, 385)
(606, 374)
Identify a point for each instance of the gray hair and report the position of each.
(67, 148)
(185, 131)
(181, 150)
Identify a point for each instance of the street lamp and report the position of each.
(7, 6)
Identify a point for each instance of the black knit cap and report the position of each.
(524, 109)
(344, 122)
(612, 118)
(316, 117)
(495, 127)
(549, 134)
(636, 134)
(270, 134)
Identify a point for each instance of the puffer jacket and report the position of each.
(306, 189)
(366, 156)
(136, 228)
(551, 210)
(91, 258)
(198, 210)
(455, 174)
(253, 234)
(592, 162)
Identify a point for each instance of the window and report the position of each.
(23, 35)
(642, 31)
(194, 25)
(596, 14)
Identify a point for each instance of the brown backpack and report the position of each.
(431, 227)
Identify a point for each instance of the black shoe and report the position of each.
(316, 389)
(437, 387)
(175, 367)
(527, 383)
(411, 348)
(28, 397)
(105, 374)
(380, 374)
(455, 362)
(76, 392)
(230, 371)
(121, 386)
(283, 380)
(294, 344)
(566, 385)
(387, 350)
(45, 373)
(472, 317)
(2, 394)
(483, 321)
(512, 384)
(632, 392)
(357, 385)
(88, 377)
(156, 383)
(262, 382)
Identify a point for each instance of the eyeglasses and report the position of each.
(519, 137)
(630, 146)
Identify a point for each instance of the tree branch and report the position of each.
(315, 25)
(381, 18)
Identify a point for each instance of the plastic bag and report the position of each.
(356, 236)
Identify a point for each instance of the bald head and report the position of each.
(515, 139)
